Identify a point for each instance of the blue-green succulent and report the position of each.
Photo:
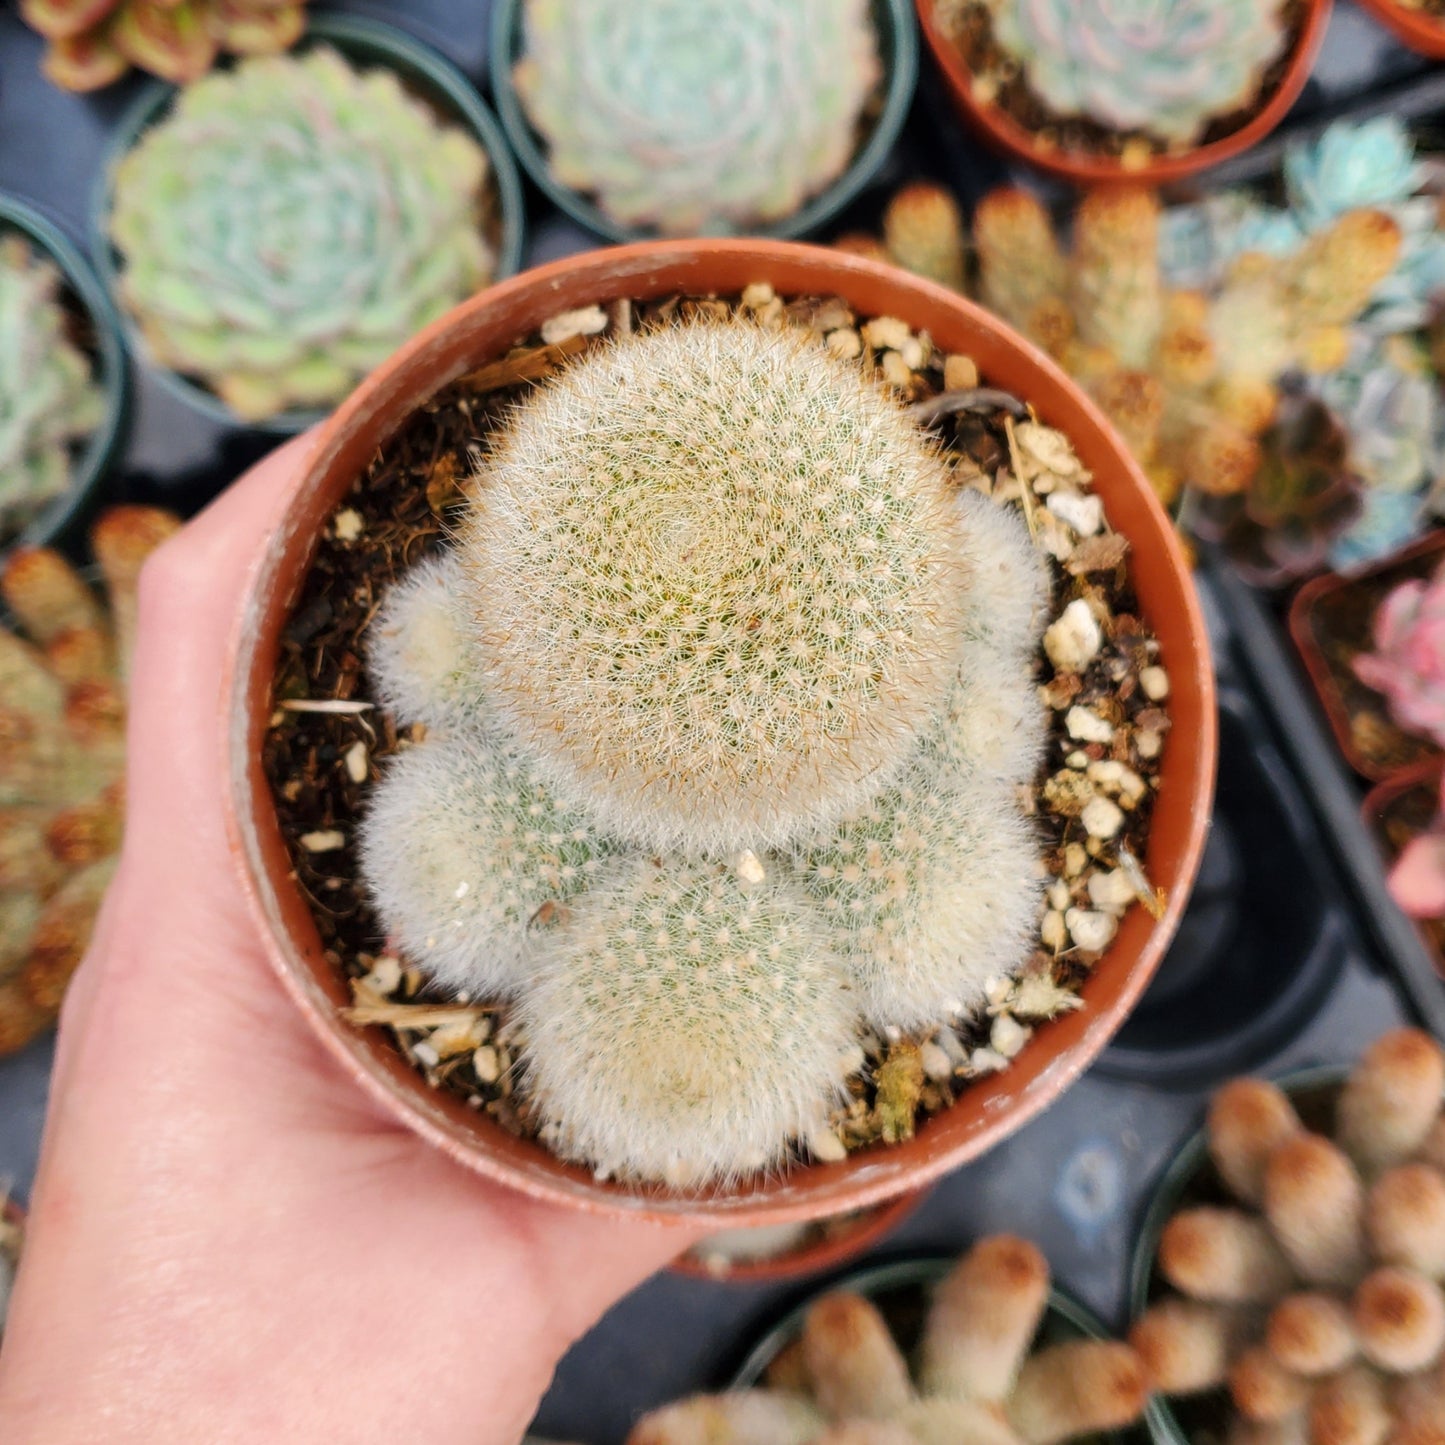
(1351, 165)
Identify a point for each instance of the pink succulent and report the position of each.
(1417, 881)
(1408, 664)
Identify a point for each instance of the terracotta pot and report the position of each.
(849, 1240)
(1316, 615)
(1191, 1179)
(1419, 31)
(478, 330)
(1008, 136)
(1398, 809)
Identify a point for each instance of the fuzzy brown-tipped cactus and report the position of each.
(62, 759)
(1190, 379)
(923, 232)
(94, 42)
(980, 1379)
(1316, 1299)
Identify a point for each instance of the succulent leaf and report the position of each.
(697, 115)
(1408, 663)
(49, 400)
(292, 221)
(1166, 67)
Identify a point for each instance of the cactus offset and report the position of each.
(49, 400)
(730, 578)
(289, 223)
(923, 232)
(686, 1024)
(1167, 68)
(1408, 663)
(94, 42)
(698, 115)
(464, 848)
(62, 758)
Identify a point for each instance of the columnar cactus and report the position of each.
(289, 223)
(718, 578)
(713, 593)
(62, 758)
(1164, 67)
(49, 399)
(1408, 663)
(94, 42)
(698, 115)
(981, 1380)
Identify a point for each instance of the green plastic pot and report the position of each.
(95, 456)
(897, 31)
(1191, 1178)
(364, 43)
(902, 1288)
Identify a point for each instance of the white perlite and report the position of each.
(1074, 640)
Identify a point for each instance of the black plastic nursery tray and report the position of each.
(1290, 955)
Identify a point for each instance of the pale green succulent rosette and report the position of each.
(289, 223)
(1166, 67)
(697, 116)
(49, 398)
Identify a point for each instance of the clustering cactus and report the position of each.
(1316, 1298)
(94, 42)
(62, 757)
(1408, 664)
(713, 593)
(1167, 68)
(289, 223)
(1191, 379)
(697, 115)
(49, 399)
(980, 1379)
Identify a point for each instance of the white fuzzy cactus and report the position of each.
(717, 577)
(686, 1024)
(419, 651)
(461, 848)
(931, 890)
(714, 594)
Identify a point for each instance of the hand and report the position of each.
(227, 1242)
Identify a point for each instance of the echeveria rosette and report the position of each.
(1408, 663)
(94, 42)
(1164, 67)
(1369, 164)
(289, 223)
(49, 398)
(697, 116)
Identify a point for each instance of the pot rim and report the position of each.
(1300, 623)
(898, 46)
(1191, 1156)
(112, 373)
(863, 1233)
(363, 42)
(998, 1105)
(875, 1279)
(1420, 33)
(1007, 135)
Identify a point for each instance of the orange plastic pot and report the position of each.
(1337, 687)
(850, 1241)
(1419, 31)
(1008, 136)
(479, 330)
